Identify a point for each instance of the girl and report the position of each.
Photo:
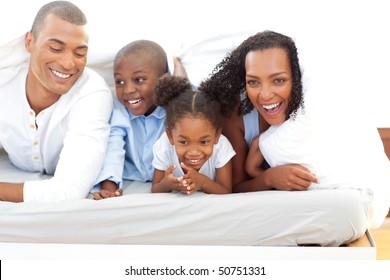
(192, 155)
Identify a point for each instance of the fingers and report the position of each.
(170, 169)
(119, 192)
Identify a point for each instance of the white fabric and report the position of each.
(165, 156)
(341, 154)
(324, 217)
(70, 138)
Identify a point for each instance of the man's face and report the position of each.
(58, 56)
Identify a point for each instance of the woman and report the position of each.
(263, 73)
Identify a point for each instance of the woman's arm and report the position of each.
(254, 159)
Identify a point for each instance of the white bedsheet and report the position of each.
(325, 217)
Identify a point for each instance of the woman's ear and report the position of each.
(169, 134)
(218, 135)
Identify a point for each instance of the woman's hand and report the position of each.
(291, 177)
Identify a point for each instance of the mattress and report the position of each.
(139, 217)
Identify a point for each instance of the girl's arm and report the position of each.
(165, 181)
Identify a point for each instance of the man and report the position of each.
(54, 112)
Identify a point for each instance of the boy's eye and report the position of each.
(139, 80)
(205, 142)
(183, 142)
(120, 82)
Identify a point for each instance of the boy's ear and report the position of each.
(218, 135)
(169, 134)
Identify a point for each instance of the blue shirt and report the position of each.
(129, 153)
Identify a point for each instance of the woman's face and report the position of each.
(269, 83)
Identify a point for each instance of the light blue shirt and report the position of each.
(129, 153)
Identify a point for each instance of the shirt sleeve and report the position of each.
(114, 160)
(161, 157)
(225, 152)
(83, 151)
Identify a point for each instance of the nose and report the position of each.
(129, 87)
(67, 60)
(265, 93)
(193, 150)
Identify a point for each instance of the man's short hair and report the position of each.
(63, 9)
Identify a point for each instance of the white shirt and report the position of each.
(67, 140)
(165, 156)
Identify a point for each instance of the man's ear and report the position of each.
(28, 41)
(169, 134)
(218, 135)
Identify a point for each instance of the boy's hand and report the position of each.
(107, 194)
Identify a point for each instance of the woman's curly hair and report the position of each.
(179, 100)
(227, 81)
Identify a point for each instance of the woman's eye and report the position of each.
(252, 83)
(279, 80)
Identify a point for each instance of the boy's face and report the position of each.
(135, 77)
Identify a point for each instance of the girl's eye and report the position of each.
(120, 82)
(183, 142)
(205, 142)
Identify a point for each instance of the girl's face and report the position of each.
(194, 140)
(135, 77)
(269, 83)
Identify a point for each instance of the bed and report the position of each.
(144, 225)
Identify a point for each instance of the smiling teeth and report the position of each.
(194, 160)
(60, 75)
(270, 107)
(132, 102)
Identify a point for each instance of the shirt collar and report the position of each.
(158, 113)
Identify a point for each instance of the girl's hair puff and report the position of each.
(179, 100)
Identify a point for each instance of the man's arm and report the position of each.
(12, 192)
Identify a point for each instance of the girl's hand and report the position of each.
(192, 180)
(291, 177)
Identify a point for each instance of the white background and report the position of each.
(345, 45)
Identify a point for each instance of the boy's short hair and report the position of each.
(146, 48)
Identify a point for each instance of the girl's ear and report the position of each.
(217, 135)
(169, 134)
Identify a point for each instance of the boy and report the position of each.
(136, 122)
